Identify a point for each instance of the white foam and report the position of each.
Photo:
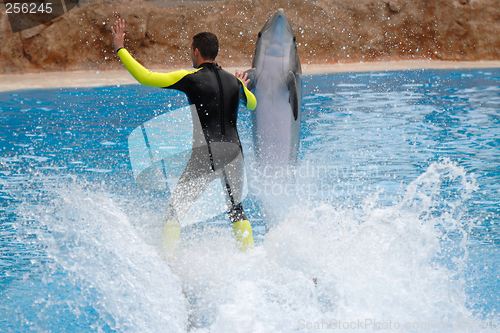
(324, 262)
(123, 278)
(369, 263)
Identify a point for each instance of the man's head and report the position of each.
(207, 45)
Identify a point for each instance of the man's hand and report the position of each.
(118, 34)
(243, 77)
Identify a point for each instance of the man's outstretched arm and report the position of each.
(141, 74)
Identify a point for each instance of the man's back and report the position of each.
(216, 95)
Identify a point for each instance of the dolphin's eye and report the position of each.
(260, 34)
(294, 39)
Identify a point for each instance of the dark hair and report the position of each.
(207, 44)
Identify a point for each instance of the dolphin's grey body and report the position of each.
(276, 80)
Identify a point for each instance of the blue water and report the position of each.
(394, 214)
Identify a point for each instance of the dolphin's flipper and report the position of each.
(252, 76)
(293, 97)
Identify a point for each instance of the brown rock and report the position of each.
(394, 6)
(327, 31)
(12, 57)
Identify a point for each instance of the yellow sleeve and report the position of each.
(148, 78)
(251, 100)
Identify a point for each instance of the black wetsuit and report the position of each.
(214, 96)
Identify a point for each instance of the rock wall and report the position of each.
(328, 31)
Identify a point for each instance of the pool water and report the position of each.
(393, 217)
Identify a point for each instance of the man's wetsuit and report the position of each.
(214, 96)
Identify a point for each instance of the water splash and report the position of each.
(327, 262)
(92, 253)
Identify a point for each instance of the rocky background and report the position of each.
(328, 31)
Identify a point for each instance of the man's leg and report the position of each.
(192, 183)
(232, 181)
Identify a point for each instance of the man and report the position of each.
(214, 95)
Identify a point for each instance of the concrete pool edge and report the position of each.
(100, 78)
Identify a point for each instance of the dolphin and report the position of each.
(276, 81)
